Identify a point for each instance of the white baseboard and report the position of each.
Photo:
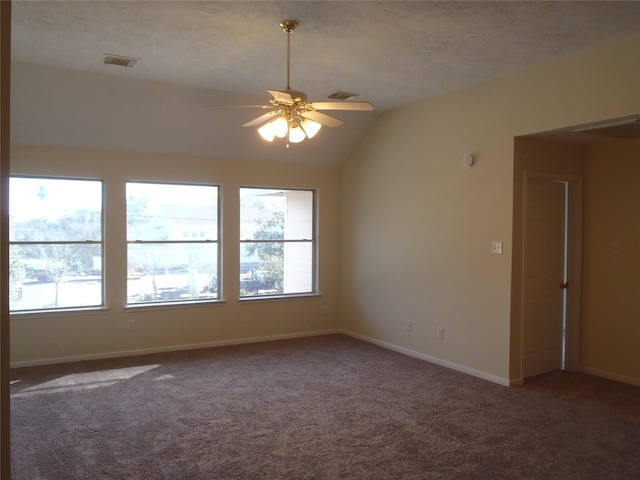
(610, 376)
(438, 361)
(174, 348)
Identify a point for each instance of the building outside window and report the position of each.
(172, 243)
(55, 244)
(277, 242)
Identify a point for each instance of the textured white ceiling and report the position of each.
(391, 53)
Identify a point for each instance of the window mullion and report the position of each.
(71, 242)
(164, 242)
(301, 240)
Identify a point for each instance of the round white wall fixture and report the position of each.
(468, 161)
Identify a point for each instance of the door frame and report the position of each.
(574, 219)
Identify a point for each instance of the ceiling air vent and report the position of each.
(343, 95)
(118, 60)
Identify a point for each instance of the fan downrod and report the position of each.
(288, 26)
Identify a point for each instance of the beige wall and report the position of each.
(611, 299)
(49, 338)
(418, 225)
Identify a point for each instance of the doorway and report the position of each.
(550, 272)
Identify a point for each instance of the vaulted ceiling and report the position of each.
(229, 52)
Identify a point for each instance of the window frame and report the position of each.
(188, 240)
(313, 242)
(102, 243)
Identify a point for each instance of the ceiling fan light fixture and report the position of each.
(296, 133)
(266, 132)
(280, 127)
(310, 127)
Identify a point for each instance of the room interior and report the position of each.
(405, 229)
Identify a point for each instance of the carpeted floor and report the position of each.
(327, 407)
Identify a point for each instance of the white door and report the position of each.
(544, 275)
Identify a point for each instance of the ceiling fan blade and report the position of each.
(261, 118)
(322, 118)
(363, 106)
(282, 97)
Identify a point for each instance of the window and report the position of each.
(167, 261)
(55, 243)
(276, 242)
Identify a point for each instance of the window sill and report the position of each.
(168, 305)
(277, 298)
(62, 312)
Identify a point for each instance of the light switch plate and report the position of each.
(496, 248)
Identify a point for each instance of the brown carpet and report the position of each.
(327, 407)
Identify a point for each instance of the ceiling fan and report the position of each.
(290, 114)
